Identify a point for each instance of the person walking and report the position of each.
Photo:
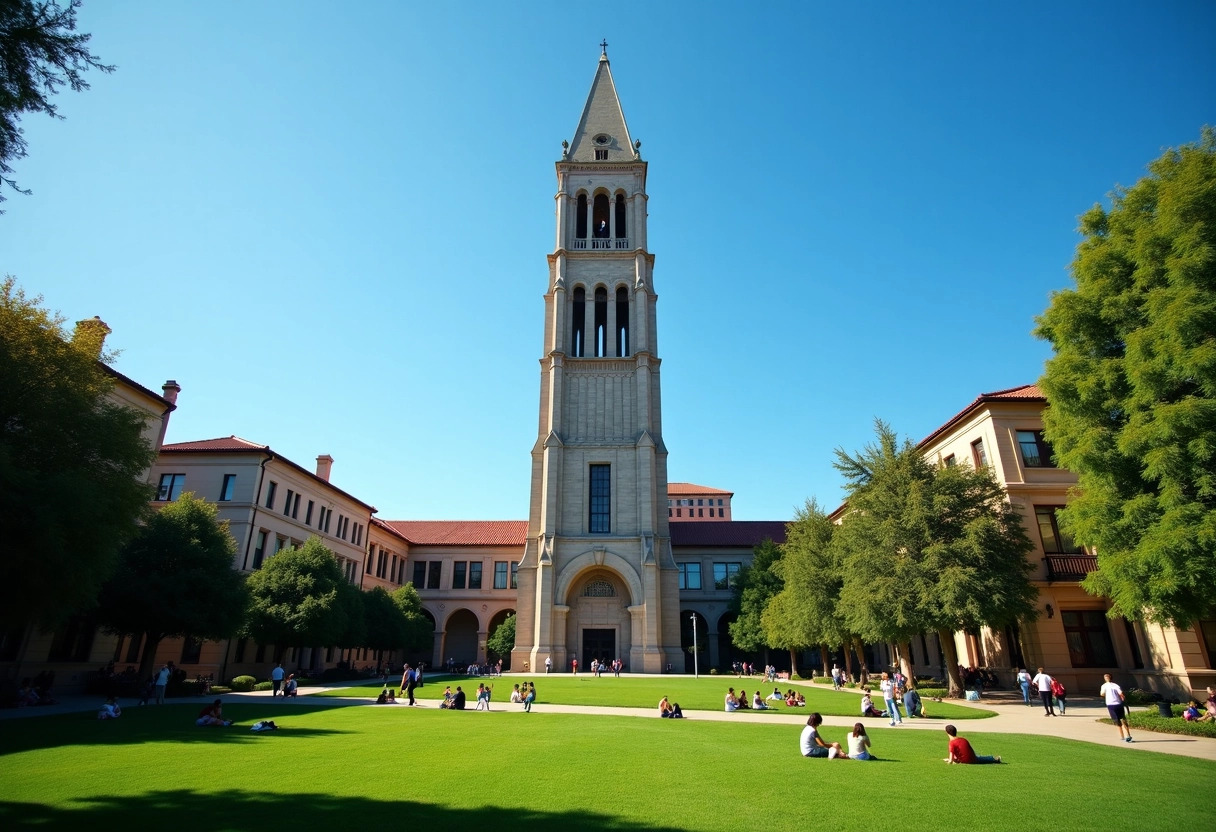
(1113, 694)
(410, 681)
(888, 693)
(1042, 683)
(1024, 684)
(276, 677)
(548, 664)
(1061, 694)
(162, 680)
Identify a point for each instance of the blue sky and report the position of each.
(329, 223)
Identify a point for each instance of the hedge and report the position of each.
(1152, 721)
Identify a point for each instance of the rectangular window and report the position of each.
(133, 652)
(514, 576)
(458, 574)
(341, 527)
(227, 488)
(392, 575)
(259, 551)
(259, 655)
(1055, 542)
(1088, 636)
(475, 574)
(724, 574)
(690, 575)
(601, 154)
(280, 544)
(700, 512)
(287, 503)
(170, 487)
(700, 502)
(500, 574)
(601, 499)
(308, 514)
(719, 501)
(668, 512)
(1036, 452)
(419, 574)
(192, 650)
(270, 489)
(979, 454)
(295, 508)
(433, 574)
(239, 656)
(679, 512)
(1207, 629)
(74, 641)
(950, 461)
(1134, 643)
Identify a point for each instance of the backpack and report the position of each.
(1057, 688)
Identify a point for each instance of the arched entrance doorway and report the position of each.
(598, 624)
(495, 623)
(460, 638)
(702, 662)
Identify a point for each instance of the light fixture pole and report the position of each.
(696, 671)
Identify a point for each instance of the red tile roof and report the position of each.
(461, 532)
(1025, 393)
(693, 488)
(730, 533)
(133, 383)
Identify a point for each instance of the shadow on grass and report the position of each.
(165, 723)
(241, 810)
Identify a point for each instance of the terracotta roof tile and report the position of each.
(462, 532)
(693, 488)
(730, 533)
(1026, 393)
(224, 443)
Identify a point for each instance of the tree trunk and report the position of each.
(793, 663)
(860, 650)
(905, 663)
(950, 657)
(147, 657)
(848, 661)
(823, 658)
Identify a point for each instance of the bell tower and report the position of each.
(597, 580)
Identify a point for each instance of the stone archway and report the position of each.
(498, 618)
(460, 638)
(702, 663)
(598, 621)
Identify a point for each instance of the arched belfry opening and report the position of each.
(578, 333)
(622, 321)
(580, 230)
(621, 230)
(599, 217)
(601, 321)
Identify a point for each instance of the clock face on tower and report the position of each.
(602, 139)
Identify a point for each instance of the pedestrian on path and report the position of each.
(548, 663)
(410, 681)
(888, 693)
(1061, 694)
(162, 679)
(1113, 694)
(1024, 684)
(1042, 683)
(276, 677)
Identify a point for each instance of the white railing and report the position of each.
(600, 244)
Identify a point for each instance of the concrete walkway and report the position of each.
(1013, 717)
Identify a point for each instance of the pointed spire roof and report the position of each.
(602, 126)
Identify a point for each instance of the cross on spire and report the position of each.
(604, 47)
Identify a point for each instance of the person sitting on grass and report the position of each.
(800, 701)
(791, 698)
(961, 751)
(912, 703)
(291, 685)
(775, 696)
(529, 698)
(758, 703)
(732, 701)
(392, 697)
(212, 715)
(1210, 708)
(382, 699)
(516, 696)
(867, 706)
(110, 709)
(744, 704)
(667, 710)
(812, 745)
(859, 744)
(1191, 714)
(458, 700)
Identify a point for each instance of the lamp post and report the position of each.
(696, 672)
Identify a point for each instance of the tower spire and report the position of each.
(602, 135)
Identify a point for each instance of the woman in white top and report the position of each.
(758, 703)
(859, 743)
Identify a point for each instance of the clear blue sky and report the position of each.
(329, 222)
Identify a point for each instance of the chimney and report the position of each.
(90, 335)
(171, 388)
(324, 463)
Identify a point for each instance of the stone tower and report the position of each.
(597, 579)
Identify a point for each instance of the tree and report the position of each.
(928, 549)
(385, 626)
(754, 587)
(72, 466)
(1131, 389)
(296, 598)
(502, 641)
(40, 52)
(420, 631)
(175, 579)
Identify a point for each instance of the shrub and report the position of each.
(1139, 698)
(218, 689)
(822, 680)
(1151, 721)
(264, 686)
(243, 683)
(713, 671)
(931, 693)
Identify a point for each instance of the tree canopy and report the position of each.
(72, 466)
(420, 631)
(502, 641)
(297, 600)
(1131, 389)
(175, 578)
(754, 586)
(40, 52)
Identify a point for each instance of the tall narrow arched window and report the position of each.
(621, 231)
(622, 321)
(599, 217)
(578, 333)
(601, 322)
(580, 230)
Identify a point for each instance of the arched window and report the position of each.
(599, 218)
(622, 321)
(601, 322)
(578, 334)
(581, 218)
(621, 232)
(599, 589)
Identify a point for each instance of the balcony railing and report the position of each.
(601, 244)
(1069, 567)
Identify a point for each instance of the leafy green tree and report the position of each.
(72, 466)
(1132, 389)
(754, 586)
(175, 578)
(297, 600)
(40, 52)
(502, 641)
(385, 625)
(355, 632)
(928, 549)
(420, 632)
(806, 611)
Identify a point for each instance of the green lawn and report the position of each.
(704, 694)
(393, 768)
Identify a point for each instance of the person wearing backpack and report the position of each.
(1061, 695)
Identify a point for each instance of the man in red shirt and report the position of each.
(961, 751)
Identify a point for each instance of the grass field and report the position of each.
(704, 694)
(397, 768)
